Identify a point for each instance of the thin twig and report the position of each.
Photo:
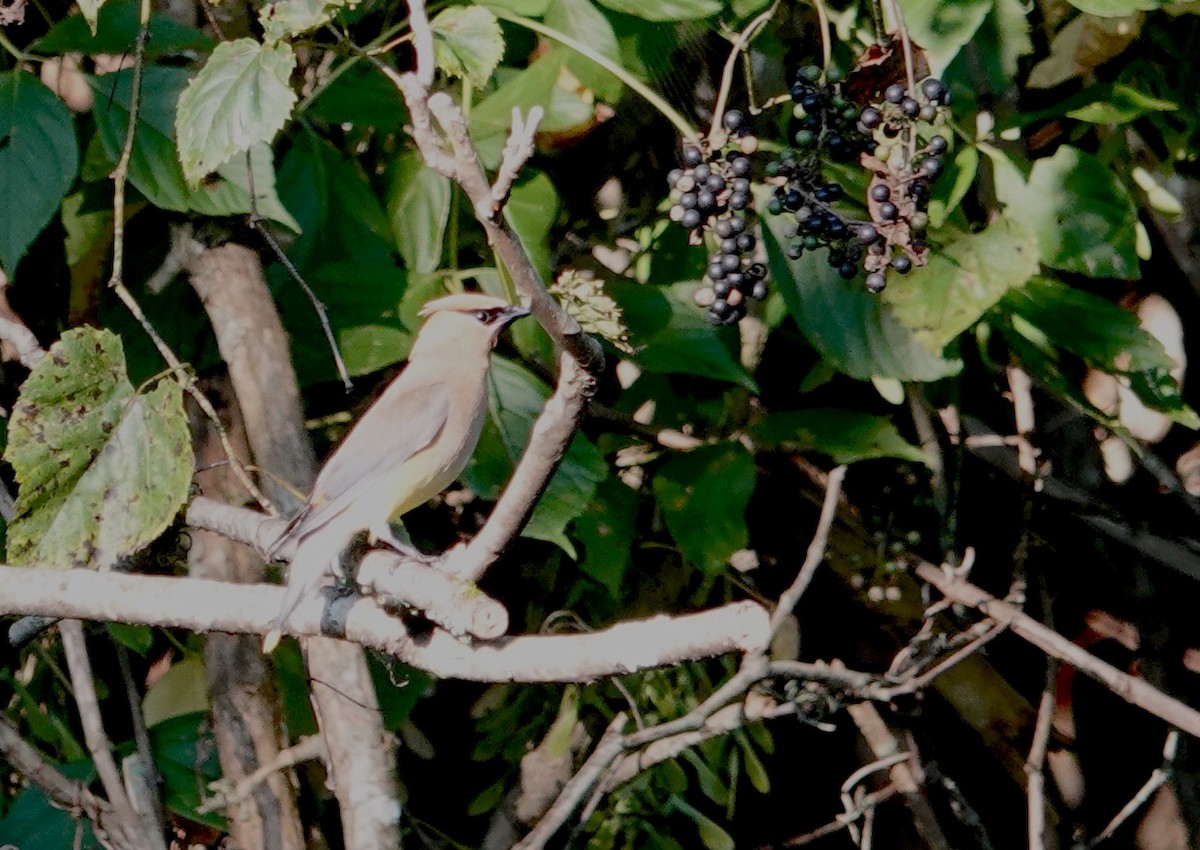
(306, 749)
(816, 550)
(120, 177)
(717, 133)
(1136, 691)
(1157, 779)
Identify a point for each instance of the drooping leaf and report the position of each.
(362, 97)
(1083, 44)
(340, 218)
(517, 397)
(1105, 337)
(703, 495)
(32, 821)
(240, 97)
(942, 29)
(38, 160)
(583, 22)
(1082, 215)
(607, 531)
(844, 435)
(186, 757)
(671, 335)
(363, 301)
(712, 835)
(418, 206)
(468, 43)
(154, 162)
(1119, 104)
(282, 19)
(531, 211)
(102, 468)
(953, 185)
(851, 328)
(491, 119)
(116, 31)
(963, 280)
(667, 10)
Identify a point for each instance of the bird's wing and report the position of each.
(369, 452)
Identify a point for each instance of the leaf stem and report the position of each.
(648, 94)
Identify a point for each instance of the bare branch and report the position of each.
(1136, 691)
(203, 606)
(816, 550)
(452, 603)
(306, 749)
(516, 153)
(1157, 779)
(14, 332)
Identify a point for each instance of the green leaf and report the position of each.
(963, 280)
(339, 216)
(491, 119)
(363, 301)
(755, 771)
(179, 692)
(240, 97)
(116, 31)
(32, 822)
(137, 638)
(1110, 340)
(844, 435)
(954, 185)
(361, 96)
(531, 211)
(527, 8)
(38, 160)
(1083, 217)
(102, 468)
(710, 784)
(186, 757)
(1115, 8)
(582, 21)
(517, 397)
(1081, 46)
(851, 328)
(154, 162)
(712, 836)
(943, 29)
(703, 495)
(672, 335)
(289, 18)
(1118, 104)
(606, 529)
(468, 43)
(666, 10)
(419, 207)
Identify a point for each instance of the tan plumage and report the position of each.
(408, 447)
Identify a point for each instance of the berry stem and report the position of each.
(717, 135)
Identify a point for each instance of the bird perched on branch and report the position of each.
(408, 447)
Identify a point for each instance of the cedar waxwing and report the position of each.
(409, 446)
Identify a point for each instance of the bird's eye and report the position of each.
(483, 316)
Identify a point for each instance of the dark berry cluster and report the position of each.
(893, 140)
(906, 163)
(828, 118)
(711, 196)
(829, 131)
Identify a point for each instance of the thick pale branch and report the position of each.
(451, 603)
(203, 606)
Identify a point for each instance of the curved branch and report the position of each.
(202, 606)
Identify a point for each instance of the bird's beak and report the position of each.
(512, 313)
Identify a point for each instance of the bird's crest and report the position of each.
(463, 302)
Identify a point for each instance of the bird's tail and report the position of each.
(316, 557)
